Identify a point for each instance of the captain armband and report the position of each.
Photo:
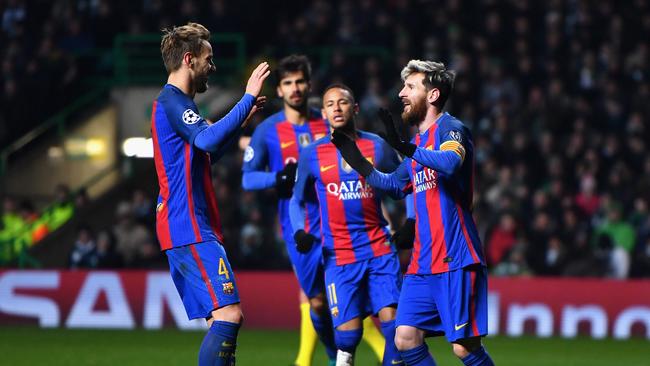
(454, 146)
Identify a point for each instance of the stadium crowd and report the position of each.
(556, 94)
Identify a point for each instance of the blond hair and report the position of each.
(436, 76)
(176, 41)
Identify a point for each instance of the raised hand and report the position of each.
(256, 80)
(258, 106)
(392, 136)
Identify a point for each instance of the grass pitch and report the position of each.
(33, 346)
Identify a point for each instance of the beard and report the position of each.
(296, 105)
(416, 114)
(202, 84)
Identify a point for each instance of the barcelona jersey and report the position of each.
(352, 225)
(277, 142)
(186, 210)
(446, 237)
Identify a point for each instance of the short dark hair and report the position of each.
(293, 63)
(340, 86)
(178, 40)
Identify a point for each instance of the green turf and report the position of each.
(32, 346)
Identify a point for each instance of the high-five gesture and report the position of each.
(256, 81)
(393, 137)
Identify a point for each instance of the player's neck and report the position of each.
(297, 116)
(429, 120)
(182, 82)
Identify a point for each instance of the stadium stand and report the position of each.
(556, 94)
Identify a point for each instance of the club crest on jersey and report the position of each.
(347, 168)
(190, 117)
(425, 179)
(228, 288)
(335, 311)
(304, 139)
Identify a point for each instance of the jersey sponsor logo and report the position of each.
(326, 168)
(459, 326)
(396, 362)
(319, 136)
(249, 154)
(350, 190)
(160, 206)
(284, 145)
(304, 139)
(190, 117)
(425, 179)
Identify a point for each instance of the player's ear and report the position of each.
(356, 108)
(433, 95)
(279, 91)
(188, 59)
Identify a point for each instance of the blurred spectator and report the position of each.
(501, 240)
(143, 208)
(149, 256)
(514, 264)
(558, 111)
(81, 199)
(107, 256)
(84, 252)
(130, 235)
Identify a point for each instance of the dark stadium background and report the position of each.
(556, 93)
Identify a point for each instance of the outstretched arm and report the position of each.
(391, 183)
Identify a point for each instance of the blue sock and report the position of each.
(348, 340)
(323, 327)
(218, 347)
(479, 357)
(391, 354)
(418, 356)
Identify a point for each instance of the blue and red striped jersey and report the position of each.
(446, 237)
(277, 142)
(353, 227)
(186, 211)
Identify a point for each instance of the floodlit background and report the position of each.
(556, 94)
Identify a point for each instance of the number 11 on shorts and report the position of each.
(331, 291)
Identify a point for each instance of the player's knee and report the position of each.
(407, 338)
(230, 313)
(464, 347)
(317, 305)
(348, 340)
